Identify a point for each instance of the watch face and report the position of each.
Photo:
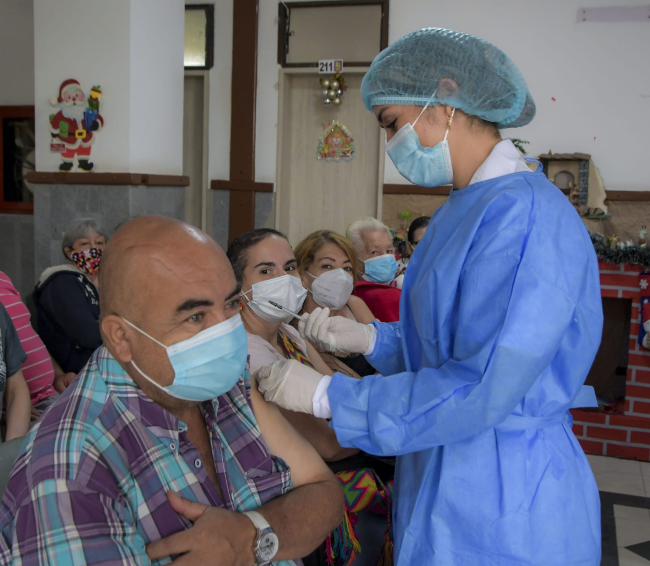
(268, 546)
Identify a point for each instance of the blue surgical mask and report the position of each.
(423, 166)
(380, 269)
(206, 365)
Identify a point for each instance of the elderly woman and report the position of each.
(67, 298)
(378, 267)
(327, 263)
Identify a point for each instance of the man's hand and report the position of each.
(62, 381)
(290, 384)
(36, 414)
(336, 333)
(218, 537)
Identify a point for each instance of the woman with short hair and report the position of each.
(67, 297)
(378, 284)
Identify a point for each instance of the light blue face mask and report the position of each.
(423, 166)
(380, 269)
(206, 365)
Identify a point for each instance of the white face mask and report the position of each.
(332, 289)
(287, 291)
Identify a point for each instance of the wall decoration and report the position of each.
(74, 126)
(579, 178)
(612, 250)
(336, 143)
(333, 89)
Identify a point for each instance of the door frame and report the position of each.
(284, 76)
(205, 74)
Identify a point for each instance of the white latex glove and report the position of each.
(289, 384)
(337, 333)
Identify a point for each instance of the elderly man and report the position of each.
(154, 451)
(379, 269)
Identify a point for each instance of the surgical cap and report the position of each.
(484, 81)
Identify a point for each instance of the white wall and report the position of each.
(134, 50)
(156, 86)
(598, 74)
(16, 52)
(99, 55)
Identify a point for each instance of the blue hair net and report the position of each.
(437, 66)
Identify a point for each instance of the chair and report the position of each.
(8, 454)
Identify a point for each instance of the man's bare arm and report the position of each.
(302, 519)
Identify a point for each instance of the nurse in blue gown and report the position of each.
(500, 322)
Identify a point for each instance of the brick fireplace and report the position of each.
(626, 435)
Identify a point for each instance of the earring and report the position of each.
(449, 118)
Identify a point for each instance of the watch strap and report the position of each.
(263, 527)
(258, 520)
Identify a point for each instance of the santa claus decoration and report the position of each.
(74, 126)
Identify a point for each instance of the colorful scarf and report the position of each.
(363, 491)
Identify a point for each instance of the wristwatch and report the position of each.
(267, 543)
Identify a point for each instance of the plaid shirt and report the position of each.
(89, 485)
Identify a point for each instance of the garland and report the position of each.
(621, 253)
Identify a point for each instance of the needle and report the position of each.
(298, 316)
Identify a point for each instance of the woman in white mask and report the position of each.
(267, 269)
(327, 263)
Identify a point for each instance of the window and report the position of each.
(16, 158)
(353, 30)
(199, 36)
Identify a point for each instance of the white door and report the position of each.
(314, 194)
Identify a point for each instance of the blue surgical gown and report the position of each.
(500, 321)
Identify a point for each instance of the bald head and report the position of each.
(171, 281)
(144, 254)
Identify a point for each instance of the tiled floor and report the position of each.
(625, 508)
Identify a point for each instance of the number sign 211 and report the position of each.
(330, 66)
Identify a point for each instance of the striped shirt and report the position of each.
(90, 482)
(37, 369)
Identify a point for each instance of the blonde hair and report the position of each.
(307, 249)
